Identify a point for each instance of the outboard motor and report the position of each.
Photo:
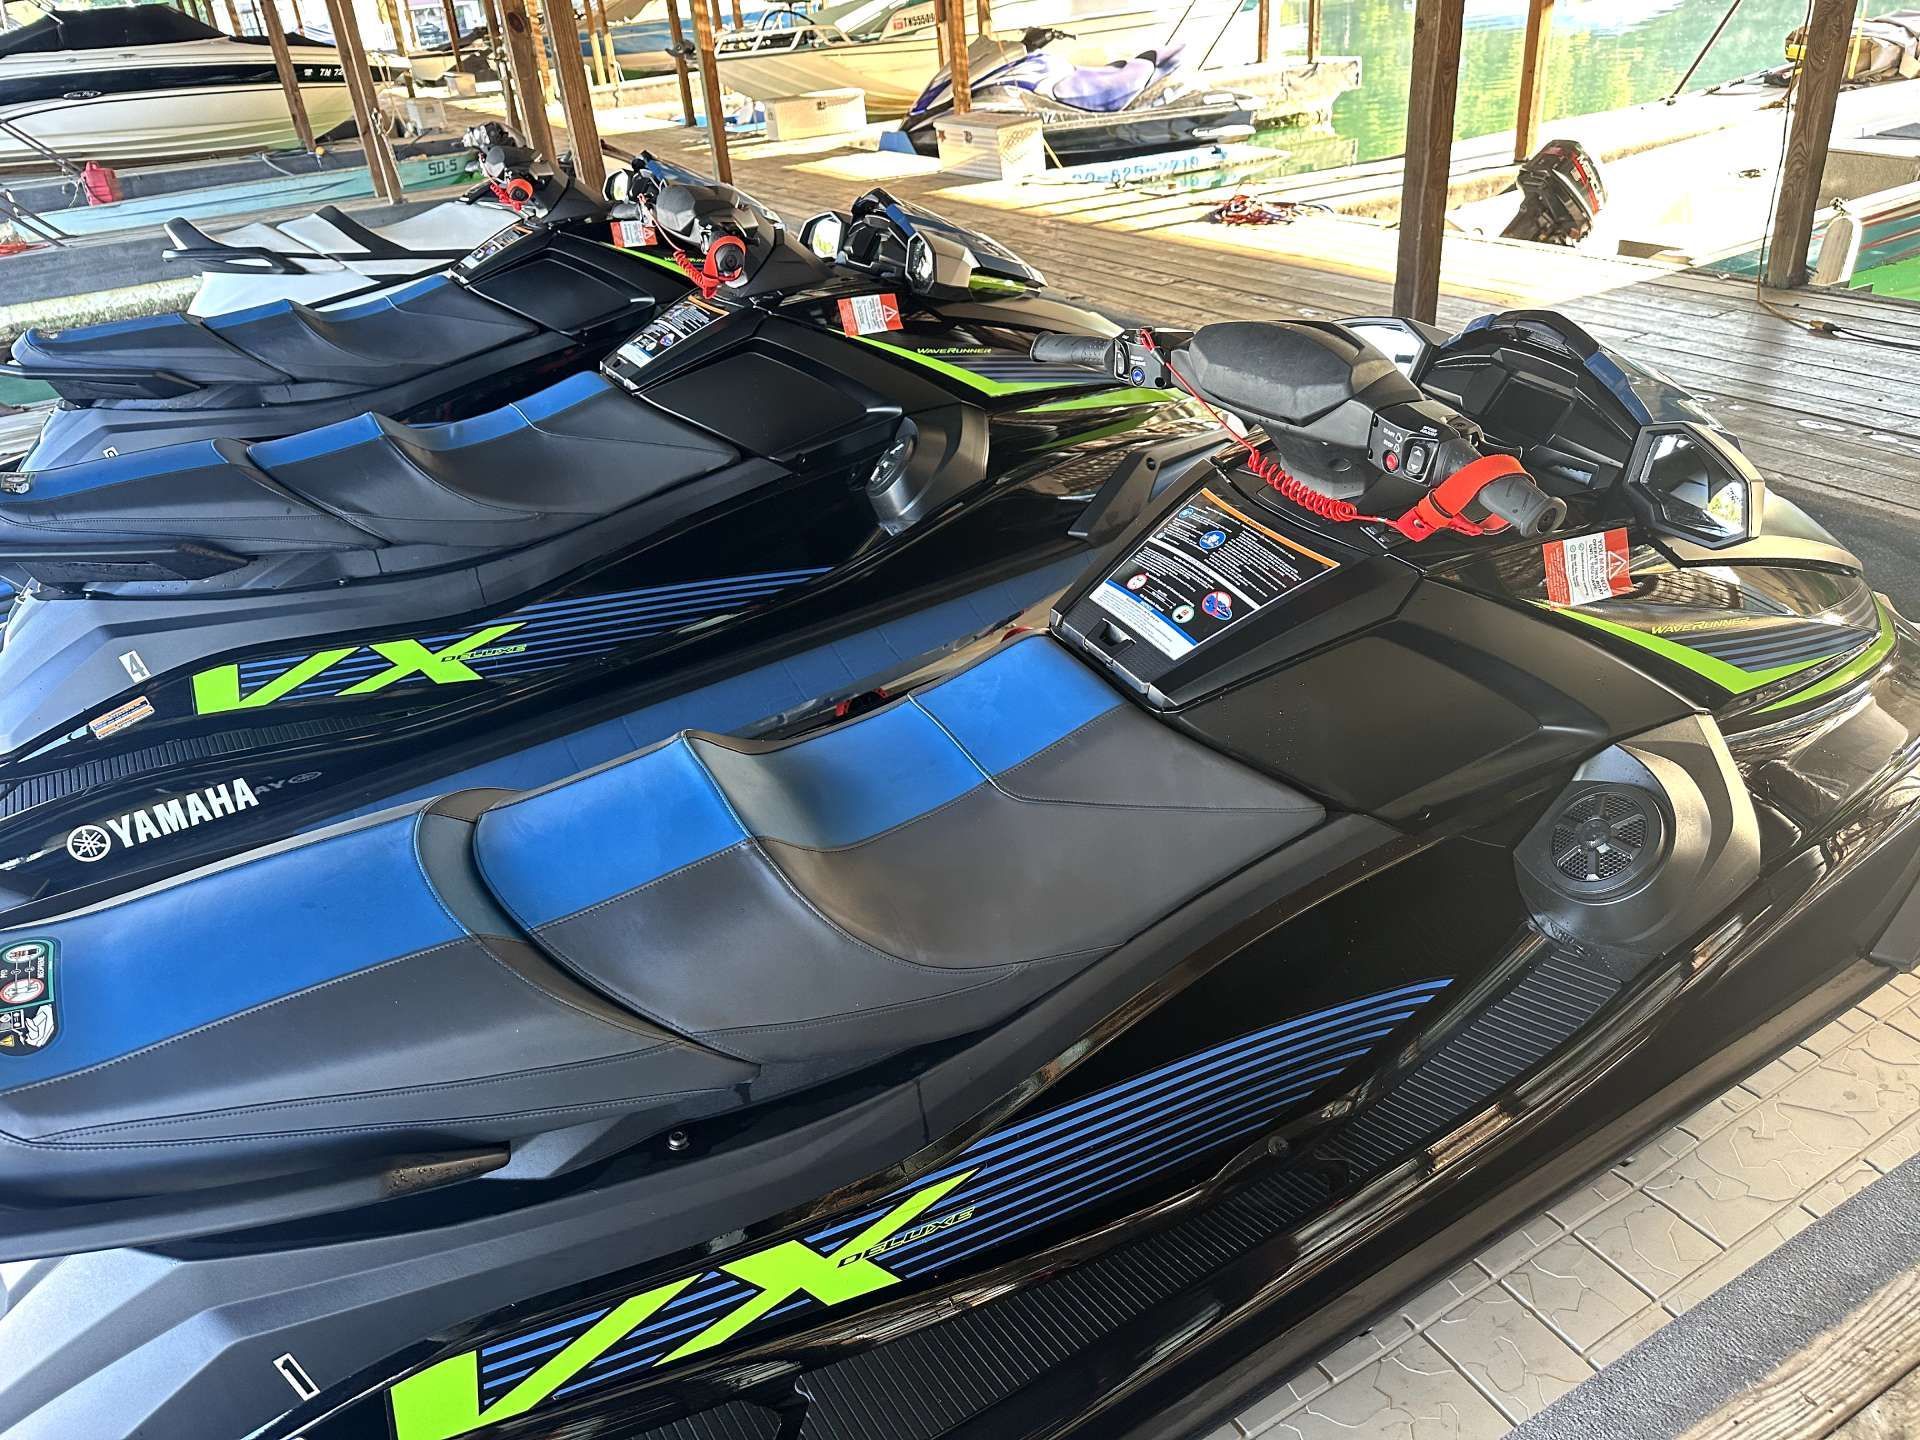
(1561, 194)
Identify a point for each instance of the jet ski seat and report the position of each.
(391, 338)
(698, 926)
(563, 456)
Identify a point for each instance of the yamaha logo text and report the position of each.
(88, 843)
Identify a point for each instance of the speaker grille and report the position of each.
(1604, 834)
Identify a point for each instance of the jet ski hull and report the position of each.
(1123, 1012)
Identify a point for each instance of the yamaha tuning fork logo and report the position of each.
(88, 843)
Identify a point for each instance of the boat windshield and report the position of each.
(110, 28)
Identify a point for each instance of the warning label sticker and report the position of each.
(1587, 568)
(1207, 567)
(869, 314)
(682, 322)
(638, 233)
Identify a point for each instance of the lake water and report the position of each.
(1605, 54)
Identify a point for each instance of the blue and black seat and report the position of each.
(285, 350)
(573, 452)
(696, 927)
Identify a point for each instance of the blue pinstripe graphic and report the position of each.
(557, 631)
(1040, 1169)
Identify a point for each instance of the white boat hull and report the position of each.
(192, 99)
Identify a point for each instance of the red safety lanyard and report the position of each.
(707, 278)
(1440, 509)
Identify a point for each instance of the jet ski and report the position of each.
(329, 256)
(219, 642)
(1421, 799)
(541, 299)
(1090, 112)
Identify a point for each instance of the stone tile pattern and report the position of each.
(1626, 1250)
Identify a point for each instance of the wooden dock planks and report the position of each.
(1823, 417)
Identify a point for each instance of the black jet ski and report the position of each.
(329, 258)
(1088, 113)
(544, 297)
(1406, 812)
(219, 642)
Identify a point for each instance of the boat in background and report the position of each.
(147, 82)
(641, 33)
(877, 45)
(1088, 113)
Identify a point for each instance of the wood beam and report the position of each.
(453, 32)
(548, 89)
(739, 21)
(1816, 89)
(366, 102)
(982, 17)
(233, 18)
(289, 78)
(1432, 89)
(583, 131)
(680, 60)
(497, 49)
(1533, 78)
(538, 134)
(703, 26)
(956, 31)
(1263, 32)
(1313, 31)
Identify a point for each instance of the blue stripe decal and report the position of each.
(246, 317)
(544, 404)
(68, 480)
(1039, 1170)
(309, 444)
(111, 327)
(542, 854)
(1003, 713)
(392, 300)
(855, 663)
(146, 969)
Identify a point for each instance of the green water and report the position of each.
(1605, 54)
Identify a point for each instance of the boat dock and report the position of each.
(1821, 414)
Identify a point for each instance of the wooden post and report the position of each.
(539, 27)
(289, 79)
(298, 23)
(1431, 91)
(509, 102)
(1533, 78)
(615, 74)
(233, 18)
(983, 17)
(957, 57)
(453, 33)
(1313, 31)
(366, 104)
(526, 78)
(583, 132)
(739, 20)
(680, 60)
(1822, 67)
(1264, 24)
(710, 91)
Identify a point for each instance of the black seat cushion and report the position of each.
(382, 341)
(576, 450)
(571, 453)
(906, 877)
(391, 338)
(351, 996)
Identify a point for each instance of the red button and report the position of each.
(1392, 462)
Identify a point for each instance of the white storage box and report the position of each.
(991, 144)
(818, 112)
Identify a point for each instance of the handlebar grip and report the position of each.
(1523, 505)
(1087, 350)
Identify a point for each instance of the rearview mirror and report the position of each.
(821, 235)
(619, 187)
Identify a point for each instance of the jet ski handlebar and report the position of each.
(1364, 439)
